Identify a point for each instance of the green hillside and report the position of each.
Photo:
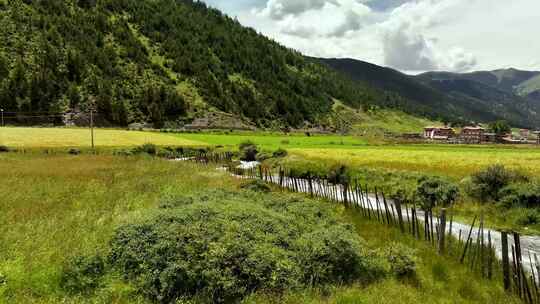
(478, 96)
(158, 61)
(530, 87)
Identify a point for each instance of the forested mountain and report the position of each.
(157, 61)
(522, 83)
(161, 61)
(479, 96)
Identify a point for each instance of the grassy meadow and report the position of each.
(80, 137)
(55, 207)
(446, 160)
(273, 141)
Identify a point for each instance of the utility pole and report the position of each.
(92, 105)
(2, 111)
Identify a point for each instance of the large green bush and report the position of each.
(402, 259)
(486, 185)
(434, 192)
(521, 195)
(223, 246)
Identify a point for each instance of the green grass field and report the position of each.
(64, 137)
(273, 141)
(58, 206)
(391, 166)
(446, 160)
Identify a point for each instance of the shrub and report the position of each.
(339, 175)
(82, 274)
(4, 149)
(248, 151)
(524, 195)
(246, 144)
(257, 186)
(528, 217)
(402, 260)
(123, 152)
(263, 156)
(74, 151)
(223, 247)
(401, 195)
(434, 191)
(332, 256)
(487, 184)
(280, 153)
(149, 149)
(166, 154)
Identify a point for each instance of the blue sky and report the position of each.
(409, 35)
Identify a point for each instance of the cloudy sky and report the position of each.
(408, 35)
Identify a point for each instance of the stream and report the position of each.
(530, 245)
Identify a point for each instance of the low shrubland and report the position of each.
(222, 246)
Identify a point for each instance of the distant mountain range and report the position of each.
(508, 94)
(522, 83)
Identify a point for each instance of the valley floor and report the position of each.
(387, 166)
(55, 207)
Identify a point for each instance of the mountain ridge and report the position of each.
(475, 100)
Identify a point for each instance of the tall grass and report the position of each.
(54, 207)
(58, 206)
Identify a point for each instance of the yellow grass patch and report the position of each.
(452, 161)
(64, 137)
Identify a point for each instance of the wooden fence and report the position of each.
(474, 246)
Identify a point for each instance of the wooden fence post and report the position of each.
(467, 242)
(399, 212)
(505, 261)
(442, 231)
(310, 185)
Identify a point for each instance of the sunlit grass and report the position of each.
(453, 161)
(272, 141)
(55, 207)
(65, 137)
(58, 206)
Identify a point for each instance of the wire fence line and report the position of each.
(495, 255)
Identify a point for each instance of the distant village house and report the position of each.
(439, 133)
(472, 135)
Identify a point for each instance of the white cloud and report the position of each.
(407, 42)
(408, 50)
(279, 9)
(410, 35)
